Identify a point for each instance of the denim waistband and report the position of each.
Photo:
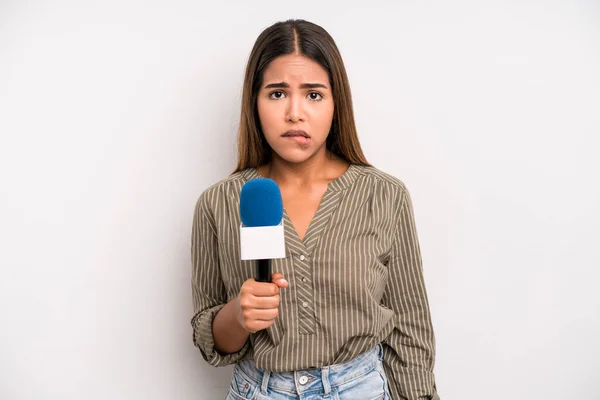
(304, 380)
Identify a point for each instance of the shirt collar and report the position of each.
(340, 183)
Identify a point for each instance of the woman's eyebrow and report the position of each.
(286, 85)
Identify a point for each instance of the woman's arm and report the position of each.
(229, 335)
(208, 291)
(409, 351)
(221, 328)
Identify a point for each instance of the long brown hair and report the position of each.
(312, 41)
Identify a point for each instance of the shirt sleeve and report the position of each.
(208, 291)
(409, 350)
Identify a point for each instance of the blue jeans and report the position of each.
(362, 378)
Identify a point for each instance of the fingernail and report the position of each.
(282, 281)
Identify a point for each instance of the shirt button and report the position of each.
(305, 304)
(303, 380)
(304, 280)
(302, 257)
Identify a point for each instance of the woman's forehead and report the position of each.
(295, 69)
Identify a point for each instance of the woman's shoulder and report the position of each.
(371, 175)
(225, 189)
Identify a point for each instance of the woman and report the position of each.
(347, 314)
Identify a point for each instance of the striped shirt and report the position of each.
(355, 280)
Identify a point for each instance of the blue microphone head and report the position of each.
(260, 203)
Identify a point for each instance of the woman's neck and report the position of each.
(315, 170)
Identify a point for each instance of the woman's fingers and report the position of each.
(261, 315)
(263, 303)
(279, 280)
(259, 302)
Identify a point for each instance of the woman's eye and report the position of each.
(315, 96)
(277, 95)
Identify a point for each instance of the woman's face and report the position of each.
(295, 107)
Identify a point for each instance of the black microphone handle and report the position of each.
(262, 270)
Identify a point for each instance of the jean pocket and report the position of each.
(371, 386)
(232, 395)
(242, 387)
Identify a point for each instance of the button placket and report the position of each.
(305, 304)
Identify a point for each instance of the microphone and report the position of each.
(262, 236)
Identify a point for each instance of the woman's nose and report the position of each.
(295, 110)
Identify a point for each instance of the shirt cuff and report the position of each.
(203, 339)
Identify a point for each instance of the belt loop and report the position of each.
(325, 380)
(265, 382)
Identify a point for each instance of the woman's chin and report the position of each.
(298, 155)
(295, 157)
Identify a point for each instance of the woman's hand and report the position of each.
(258, 303)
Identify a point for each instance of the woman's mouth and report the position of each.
(298, 136)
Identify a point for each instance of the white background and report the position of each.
(116, 115)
